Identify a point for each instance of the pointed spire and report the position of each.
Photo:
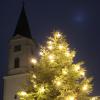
(22, 27)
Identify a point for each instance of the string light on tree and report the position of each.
(67, 53)
(51, 58)
(76, 67)
(64, 71)
(49, 42)
(73, 54)
(94, 98)
(41, 89)
(32, 80)
(22, 93)
(70, 97)
(57, 34)
(60, 47)
(58, 83)
(33, 76)
(41, 53)
(34, 85)
(33, 61)
(85, 87)
(50, 47)
(82, 73)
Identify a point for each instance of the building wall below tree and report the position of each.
(12, 84)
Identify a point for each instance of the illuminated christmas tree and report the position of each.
(55, 75)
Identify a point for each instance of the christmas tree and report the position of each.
(55, 75)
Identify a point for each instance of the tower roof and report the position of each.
(22, 27)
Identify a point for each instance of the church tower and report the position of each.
(21, 49)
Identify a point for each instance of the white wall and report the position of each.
(12, 84)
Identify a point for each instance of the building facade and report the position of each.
(21, 49)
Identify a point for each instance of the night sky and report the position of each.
(79, 20)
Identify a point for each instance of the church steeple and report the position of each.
(22, 48)
(22, 27)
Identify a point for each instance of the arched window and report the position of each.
(17, 62)
(15, 97)
(17, 48)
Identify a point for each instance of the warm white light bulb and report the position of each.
(50, 47)
(52, 60)
(33, 60)
(85, 87)
(32, 80)
(34, 76)
(35, 86)
(58, 35)
(82, 73)
(77, 67)
(94, 98)
(23, 93)
(58, 83)
(60, 47)
(73, 55)
(49, 42)
(64, 71)
(70, 97)
(67, 54)
(41, 89)
(41, 53)
(51, 57)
